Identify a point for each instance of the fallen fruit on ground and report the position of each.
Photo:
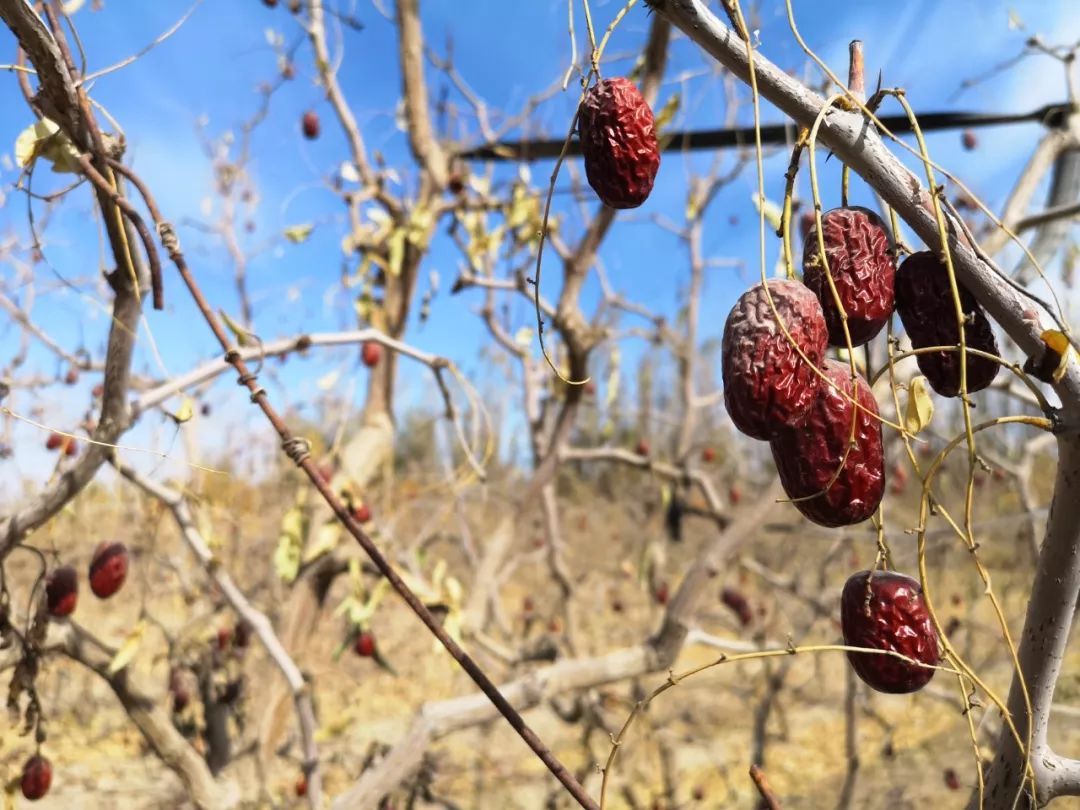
(808, 457)
(925, 304)
(887, 611)
(371, 353)
(108, 569)
(859, 251)
(36, 777)
(62, 591)
(618, 143)
(767, 384)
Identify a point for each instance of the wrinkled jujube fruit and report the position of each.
(767, 385)
(108, 569)
(618, 143)
(924, 302)
(807, 457)
(371, 353)
(62, 591)
(859, 250)
(36, 777)
(364, 646)
(887, 611)
(310, 125)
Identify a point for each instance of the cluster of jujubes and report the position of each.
(821, 418)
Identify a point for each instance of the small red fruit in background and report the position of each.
(71, 447)
(224, 637)
(364, 646)
(590, 389)
(371, 353)
(36, 777)
(642, 448)
(242, 633)
(98, 391)
(886, 611)
(301, 786)
(618, 142)
(662, 593)
(270, 3)
(71, 377)
(62, 591)
(108, 569)
(952, 781)
(708, 455)
(738, 604)
(734, 495)
(310, 125)
(898, 479)
(969, 140)
(54, 442)
(362, 513)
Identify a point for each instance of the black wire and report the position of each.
(1052, 116)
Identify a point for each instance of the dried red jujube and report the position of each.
(887, 611)
(925, 304)
(618, 142)
(859, 251)
(808, 456)
(767, 385)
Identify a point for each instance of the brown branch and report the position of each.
(153, 723)
(762, 785)
(425, 148)
(256, 619)
(435, 720)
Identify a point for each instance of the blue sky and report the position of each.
(506, 52)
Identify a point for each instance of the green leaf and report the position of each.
(43, 139)
(243, 336)
(128, 649)
(298, 233)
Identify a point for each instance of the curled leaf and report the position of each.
(920, 406)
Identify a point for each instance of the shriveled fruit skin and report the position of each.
(767, 385)
(36, 777)
(807, 456)
(894, 618)
(925, 304)
(859, 250)
(618, 142)
(108, 569)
